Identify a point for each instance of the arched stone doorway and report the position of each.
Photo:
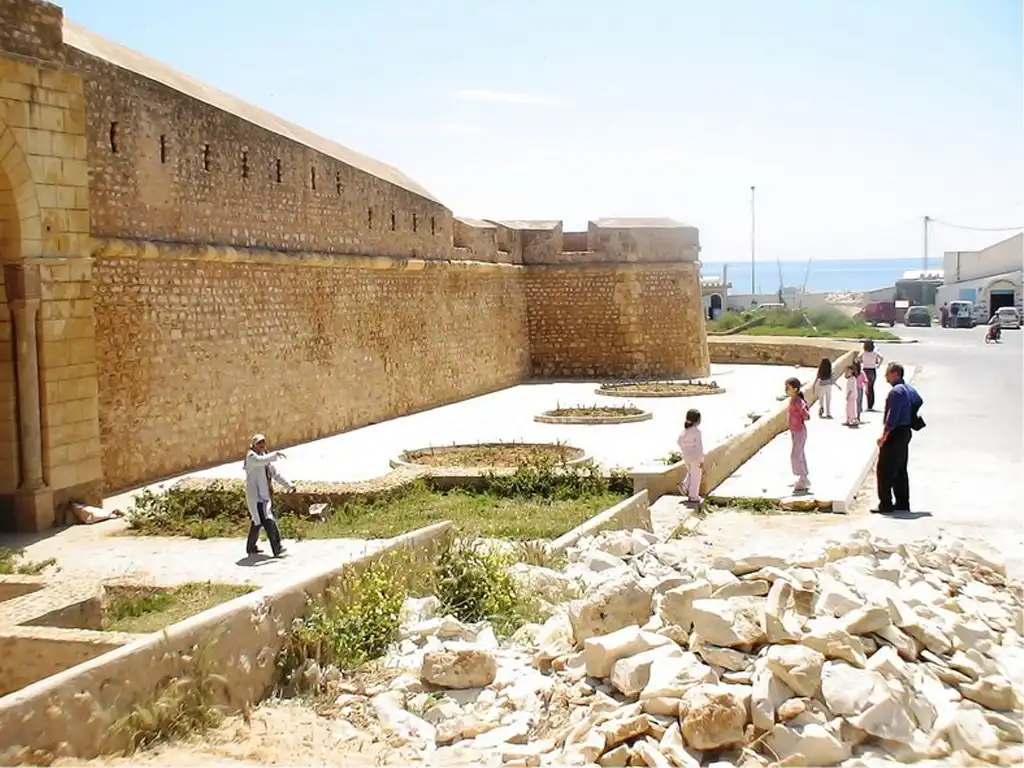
(27, 503)
(715, 307)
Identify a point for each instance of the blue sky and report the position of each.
(853, 119)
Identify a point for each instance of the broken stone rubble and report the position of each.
(857, 653)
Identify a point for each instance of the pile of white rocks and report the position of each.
(857, 653)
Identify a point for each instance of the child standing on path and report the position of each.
(852, 413)
(691, 445)
(862, 383)
(823, 384)
(799, 414)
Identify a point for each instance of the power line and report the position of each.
(974, 229)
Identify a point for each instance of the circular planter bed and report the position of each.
(489, 455)
(594, 414)
(660, 389)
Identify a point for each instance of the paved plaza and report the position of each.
(507, 415)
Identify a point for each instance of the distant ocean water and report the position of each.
(826, 275)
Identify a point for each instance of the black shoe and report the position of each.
(256, 551)
(281, 552)
(882, 511)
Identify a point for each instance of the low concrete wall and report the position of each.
(71, 712)
(775, 350)
(634, 512)
(724, 459)
(29, 654)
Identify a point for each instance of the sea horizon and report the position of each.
(826, 275)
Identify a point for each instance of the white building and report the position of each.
(991, 277)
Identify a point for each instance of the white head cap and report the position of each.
(257, 439)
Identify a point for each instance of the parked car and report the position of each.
(880, 313)
(919, 317)
(1008, 317)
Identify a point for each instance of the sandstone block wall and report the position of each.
(199, 348)
(171, 159)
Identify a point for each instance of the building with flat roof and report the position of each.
(991, 277)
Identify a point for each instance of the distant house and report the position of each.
(714, 291)
(919, 287)
(991, 277)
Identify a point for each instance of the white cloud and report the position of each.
(503, 97)
(443, 130)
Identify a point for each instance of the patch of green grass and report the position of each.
(820, 322)
(12, 561)
(141, 610)
(540, 500)
(357, 619)
(485, 514)
(754, 506)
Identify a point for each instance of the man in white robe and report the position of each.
(260, 473)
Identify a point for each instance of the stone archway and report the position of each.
(25, 502)
(715, 305)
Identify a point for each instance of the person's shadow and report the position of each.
(908, 515)
(254, 561)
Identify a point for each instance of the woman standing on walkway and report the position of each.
(869, 362)
(799, 413)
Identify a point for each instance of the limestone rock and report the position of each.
(623, 729)
(735, 622)
(751, 588)
(546, 583)
(671, 676)
(468, 668)
(554, 639)
(768, 693)
(835, 598)
(850, 691)
(673, 747)
(613, 605)
(778, 625)
(835, 643)
(616, 757)
(598, 561)
(617, 543)
(631, 674)
(751, 562)
(726, 658)
(677, 604)
(812, 744)
(885, 719)
(863, 621)
(797, 666)
(601, 653)
(712, 717)
(992, 692)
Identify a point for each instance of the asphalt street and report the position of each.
(966, 465)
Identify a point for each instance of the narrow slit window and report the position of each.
(369, 217)
(113, 138)
(337, 182)
(245, 164)
(312, 179)
(277, 171)
(415, 222)
(206, 157)
(433, 225)
(394, 222)
(163, 148)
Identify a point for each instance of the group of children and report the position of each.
(857, 383)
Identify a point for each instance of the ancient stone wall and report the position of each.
(31, 29)
(198, 348)
(173, 160)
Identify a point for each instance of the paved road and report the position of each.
(966, 466)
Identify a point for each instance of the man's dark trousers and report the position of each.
(893, 480)
(270, 524)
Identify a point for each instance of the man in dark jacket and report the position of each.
(900, 421)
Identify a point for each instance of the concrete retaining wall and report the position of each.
(71, 712)
(632, 513)
(724, 459)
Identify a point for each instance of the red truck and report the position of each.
(881, 313)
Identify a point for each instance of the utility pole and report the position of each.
(924, 256)
(753, 249)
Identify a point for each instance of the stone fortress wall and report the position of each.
(188, 269)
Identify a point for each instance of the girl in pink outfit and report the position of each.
(852, 416)
(691, 445)
(862, 381)
(799, 414)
